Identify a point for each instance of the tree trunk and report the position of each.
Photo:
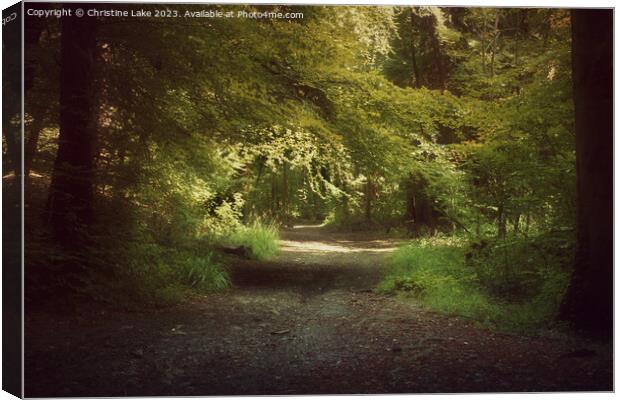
(417, 80)
(494, 43)
(521, 31)
(30, 148)
(369, 198)
(516, 223)
(410, 199)
(437, 56)
(32, 35)
(501, 222)
(285, 190)
(588, 304)
(526, 230)
(483, 35)
(274, 195)
(421, 213)
(11, 133)
(70, 199)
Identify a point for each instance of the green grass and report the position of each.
(201, 272)
(163, 274)
(261, 239)
(160, 275)
(434, 270)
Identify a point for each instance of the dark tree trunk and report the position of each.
(285, 189)
(32, 34)
(517, 223)
(483, 45)
(71, 191)
(494, 43)
(30, 147)
(589, 301)
(10, 131)
(411, 200)
(501, 222)
(417, 79)
(274, 195)
(369, 198)
(421, 214)
(438, 59)
(526, 230)
(439, 63)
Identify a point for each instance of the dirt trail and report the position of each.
(305, 323)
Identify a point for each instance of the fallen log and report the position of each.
(240, 251)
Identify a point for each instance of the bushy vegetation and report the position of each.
(163, 275)
(260, 239)
(514, 284)
(418, 120)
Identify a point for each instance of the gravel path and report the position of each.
(306, 323)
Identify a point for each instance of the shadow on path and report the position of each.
(304, 323)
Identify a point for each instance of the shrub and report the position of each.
(517, 269)
(435, 271)
(152, 273)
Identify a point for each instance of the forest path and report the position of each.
(307, 322)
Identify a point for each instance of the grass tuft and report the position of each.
(261, 239)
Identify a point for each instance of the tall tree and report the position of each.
(589, 300)
(416, 80)
(71, 191)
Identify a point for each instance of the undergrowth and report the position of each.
(260, 239)
(165, 274)
(132, 268)
(161, 275)
(503, 284)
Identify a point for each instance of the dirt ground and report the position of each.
(306, 323)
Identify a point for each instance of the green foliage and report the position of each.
(516, 268)
(204, 128)
(436, 271)
(201, 272)
(160, 275)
